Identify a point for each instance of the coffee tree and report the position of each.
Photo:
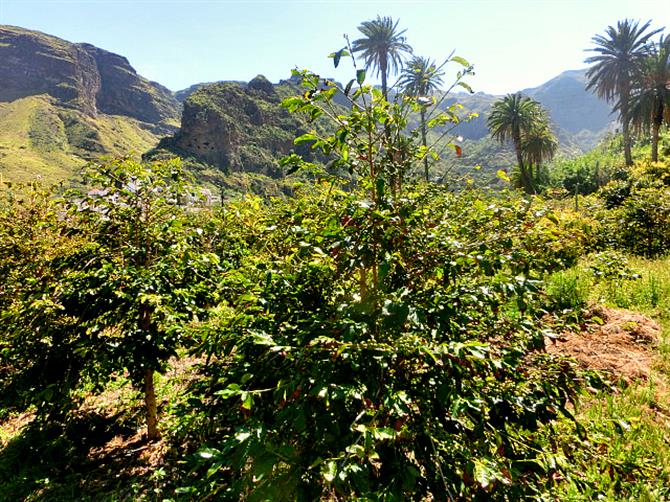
(120, 291)
(386, 344)
(38, 358)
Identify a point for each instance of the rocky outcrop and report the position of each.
(124, 92)
(261, 84)
(238, 127)
(80, 76)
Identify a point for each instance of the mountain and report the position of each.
(235, 127)
(570, 105)
(579, 117)
(62, 104)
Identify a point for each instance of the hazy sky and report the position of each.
(513, 44)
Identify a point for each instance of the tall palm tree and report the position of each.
(620, 55)
(510, 119)
(421, 78)
(382, 47)
(650, 103)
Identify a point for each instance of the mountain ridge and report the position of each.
(80, 76)
(64, 103)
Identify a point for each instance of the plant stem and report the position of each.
(150, 404)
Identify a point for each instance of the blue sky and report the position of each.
(513, 44)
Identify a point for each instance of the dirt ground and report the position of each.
(622, 346)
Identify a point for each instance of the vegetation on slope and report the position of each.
(79, 76)
(41, 140)
(62, 104)
(369, 337)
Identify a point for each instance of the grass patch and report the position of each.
(40, 140)
(623, 451)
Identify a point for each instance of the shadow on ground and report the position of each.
(93, 454)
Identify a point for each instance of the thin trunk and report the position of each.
(382, 68)
(362, 283)
(655, 127)
(654, 142)
(393, 177)
(628, 156)
(151, 407)
(519, 160)
(423, 141)
(149, 390)
(625, 100)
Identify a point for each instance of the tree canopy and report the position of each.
(523, 121)
(382, 47)
(620, 55)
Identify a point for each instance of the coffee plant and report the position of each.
(381, 342)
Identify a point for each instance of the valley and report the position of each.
(363, 288)
(78, 102)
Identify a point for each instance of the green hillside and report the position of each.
(62, 104)
(41, 140)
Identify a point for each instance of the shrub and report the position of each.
(383, 343)
(113, 279)
(568, 290)
(639, 216)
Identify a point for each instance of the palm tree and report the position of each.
(537, 145)
(421, 78)
(382, 47)
(650, 102)
(620, 55)
(511, 118)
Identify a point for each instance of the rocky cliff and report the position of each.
(63, 104)
(238, 127)
(80, 76)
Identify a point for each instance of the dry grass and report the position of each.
(622, 346)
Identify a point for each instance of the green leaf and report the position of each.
(553, 218)
(501, 174)
(336, 59)
(232, 390)
(242, 436)
(347, 89)
(360, 76)
(247, 399)
(338, 55)
(356, 450)
(380, 185)
(329, 471)
(214, 469)
(345, 152)
(207, 453)
(261, 338)
(460, 60)
(483, 474)
(384, 433)
(466, 87)
(305, 138)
